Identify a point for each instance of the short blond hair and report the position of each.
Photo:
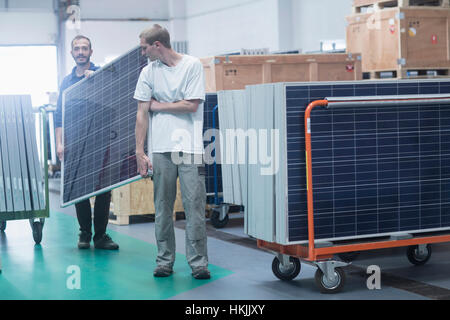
(156, 33)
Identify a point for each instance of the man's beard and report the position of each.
(82, 64)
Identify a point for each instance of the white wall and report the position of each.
(17, 28)
(110, 39)
(316, 20)
(43, 5)
(218, 27)
(215, 27)
(124, 9)
(177, 20)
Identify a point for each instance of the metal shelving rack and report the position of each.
(35, 217)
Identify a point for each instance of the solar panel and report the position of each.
(99, 118)
(21, 179)
(210, 122)
(34, 167)
(376, 171)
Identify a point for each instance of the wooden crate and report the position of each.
(360, 5)
(137, 199)
(235, 72)
(401, 40)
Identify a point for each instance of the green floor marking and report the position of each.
(40, 272)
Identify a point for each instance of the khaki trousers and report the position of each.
(193, 192)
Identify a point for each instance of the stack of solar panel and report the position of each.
(233, 131)
(21, 179)
(376, 171)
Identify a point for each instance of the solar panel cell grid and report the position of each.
(99, 122)
(209, 113)
(375, 170)
(98, 127)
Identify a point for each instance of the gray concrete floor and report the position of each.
(252, 277)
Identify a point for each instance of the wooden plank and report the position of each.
(385, 4)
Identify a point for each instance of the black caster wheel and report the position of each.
(286, 273)
(37, 231)
(215, 220)
(2, 226)
(348, 256)
(416, 258)
(327, 286)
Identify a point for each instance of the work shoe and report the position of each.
(105, 243)
(84, 241)
(162, 271)
(201, 273)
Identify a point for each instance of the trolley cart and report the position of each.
(330, 277)
(36, 217)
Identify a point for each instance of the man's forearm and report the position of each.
(183, 106)
(141, 130)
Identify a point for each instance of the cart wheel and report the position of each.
(415, 258)
(325, 285)
(286, 274)
(37, 231)
(2, 226)
(215, 220)
(348, 256)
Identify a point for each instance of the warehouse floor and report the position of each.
(240, 271)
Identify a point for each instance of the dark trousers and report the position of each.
(101, 215)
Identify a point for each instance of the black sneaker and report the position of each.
(162, 271)
(105, 243)
(84, 241)
(201, 273)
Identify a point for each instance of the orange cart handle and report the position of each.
(309, 185)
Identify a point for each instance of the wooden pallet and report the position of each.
(401, 38)
(360, 5)
(137, 199)
(408, 74)
(235, 72)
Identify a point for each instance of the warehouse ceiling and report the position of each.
(96, 9)
(130, 9)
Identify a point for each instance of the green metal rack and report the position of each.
(36, 217)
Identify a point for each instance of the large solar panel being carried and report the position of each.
(99, 118)
(376, 171)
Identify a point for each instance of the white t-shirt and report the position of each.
(172, 132)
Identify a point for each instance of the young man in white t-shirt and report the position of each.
(171, 89)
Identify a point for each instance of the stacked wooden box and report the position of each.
(137, 199)
(404, 38)
(235, 72)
